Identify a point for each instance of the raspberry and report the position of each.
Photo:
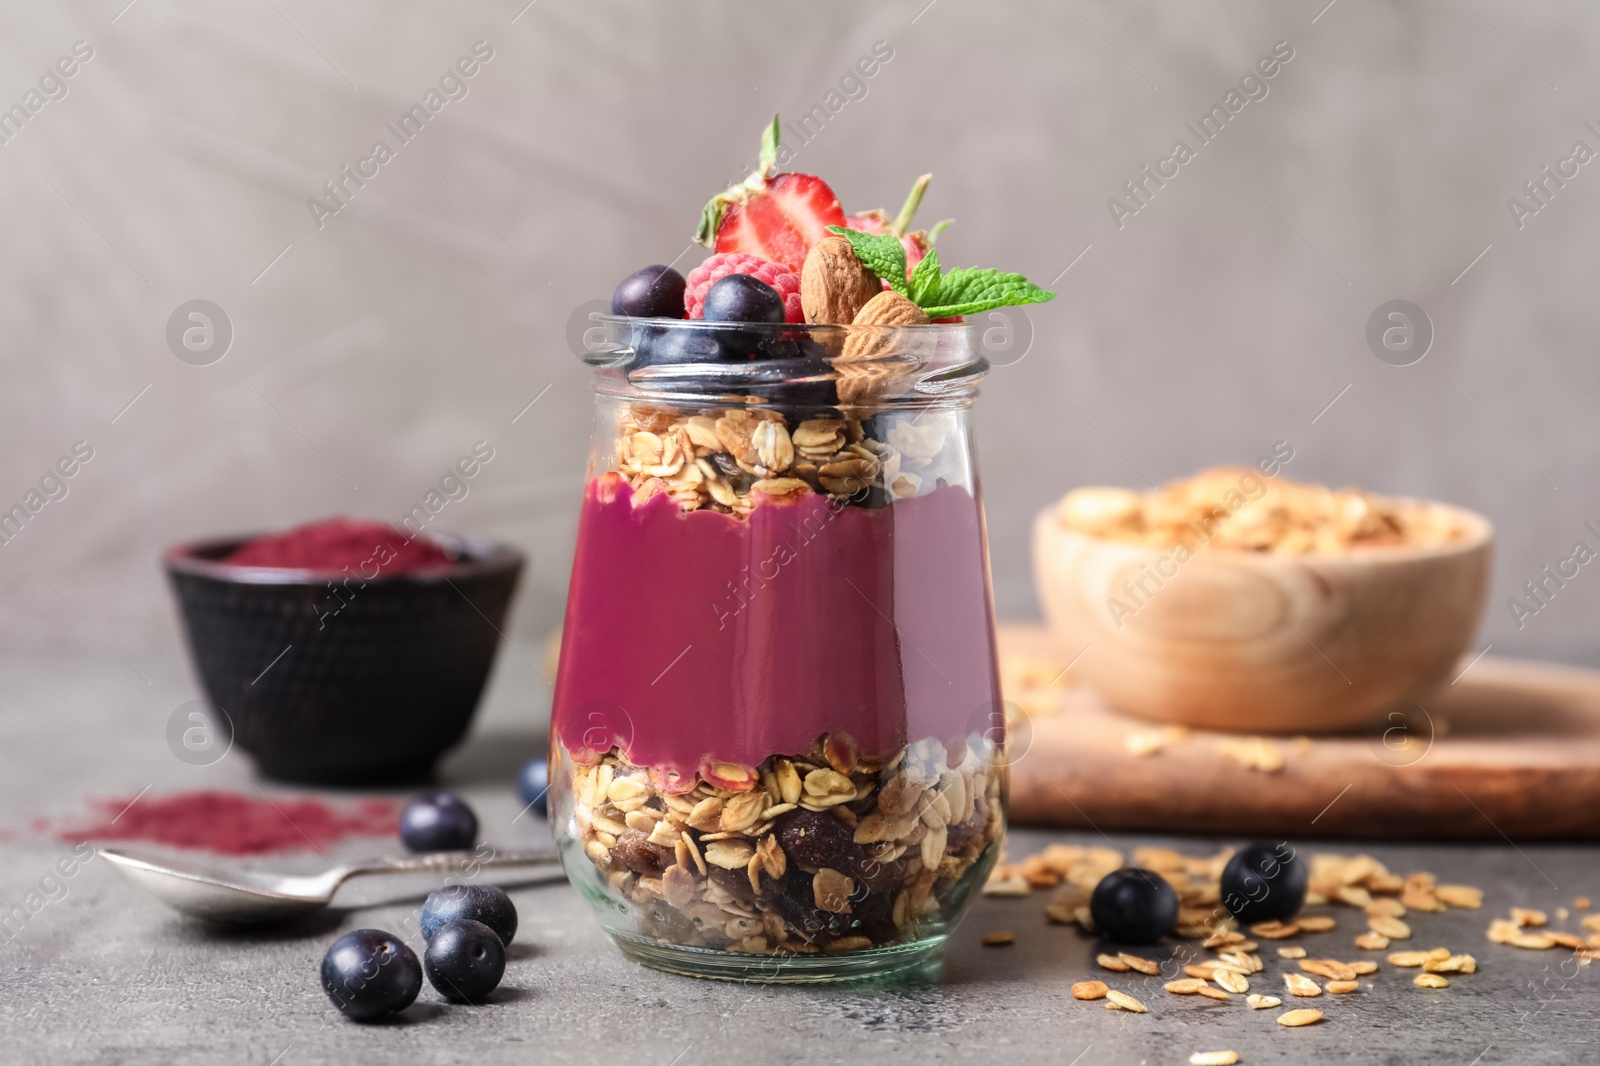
(719, 266)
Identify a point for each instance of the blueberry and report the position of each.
(479, 903)
(1264, 883)
(465, 961)
(653, 292)
(634, 851)
(438, 821)
(1134, 906)
(742, 298)
(370, 974)
(533, 786)
(672, 347)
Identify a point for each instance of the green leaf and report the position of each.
(880, 253)
(711, 214)
(925, 280)
(967, 292)
(710, 219)
(902, 221)
(769, 147)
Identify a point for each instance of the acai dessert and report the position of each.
(778, 747)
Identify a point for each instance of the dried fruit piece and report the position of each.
(1089, 990)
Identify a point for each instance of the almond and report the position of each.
(873, 347)
(834, 285)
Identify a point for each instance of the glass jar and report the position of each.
(777, 736)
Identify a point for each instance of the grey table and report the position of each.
(106, 976)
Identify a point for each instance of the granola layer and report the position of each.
(828, 851)
(729, 459)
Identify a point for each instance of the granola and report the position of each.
(1239, 510)
(715, 457)
(830, 850)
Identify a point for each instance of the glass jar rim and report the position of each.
(910, 365)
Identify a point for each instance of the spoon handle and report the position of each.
(465, 863)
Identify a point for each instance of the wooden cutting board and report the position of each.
(1514, 754)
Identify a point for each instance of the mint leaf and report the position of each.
(967, 292)
(880, 253)
(925, 280)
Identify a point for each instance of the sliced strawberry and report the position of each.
(776, 218)
(874, 221)
(782, 221)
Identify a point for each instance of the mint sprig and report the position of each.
(939, 293)
(967, 292)
(881, 253)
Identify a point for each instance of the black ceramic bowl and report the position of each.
(325, 682)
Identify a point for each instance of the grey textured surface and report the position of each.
(106, 976)
(428, 313)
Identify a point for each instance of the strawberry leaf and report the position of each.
(710, 219)
(769, 148)
(880, 253)
(967, 292)
(711, 214)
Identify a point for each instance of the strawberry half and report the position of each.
(777, 218)
(781, 222)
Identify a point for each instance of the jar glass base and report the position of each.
(783, 968)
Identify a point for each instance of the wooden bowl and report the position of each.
(1263, 643)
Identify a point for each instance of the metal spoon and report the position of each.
(218, 892)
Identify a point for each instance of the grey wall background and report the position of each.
(426, 315)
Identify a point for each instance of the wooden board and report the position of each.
(1514, 755)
